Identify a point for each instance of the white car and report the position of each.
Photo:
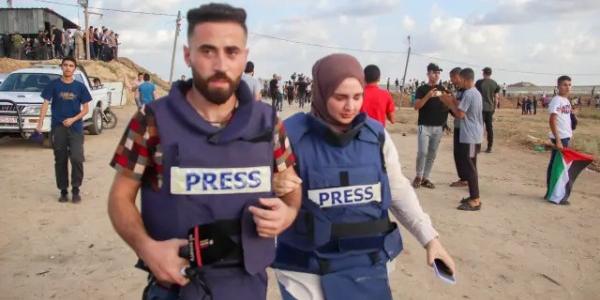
(20, 101)
(2, 77)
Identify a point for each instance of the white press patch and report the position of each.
(213, 181)
(346, 195)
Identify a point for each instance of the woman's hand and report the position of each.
(436, 250)
(285, 182)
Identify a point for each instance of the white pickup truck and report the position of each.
(20, 101)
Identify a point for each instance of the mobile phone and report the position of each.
(443, 272)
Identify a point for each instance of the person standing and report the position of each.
(79, 44)
(458, 92)
(469, 112)
(343, 240)
(433, 115)
(378, 103)
(276, 91)
(203, 158)
(92, 42)
(68, 99)
(561, 130)
(135, 89)
(147, 90)
(489, 90)
(58, 41)
(251, 81)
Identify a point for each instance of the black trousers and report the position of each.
(459, 171)
(488, 116)
(467, 164)
(68, 145)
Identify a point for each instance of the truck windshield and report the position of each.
(27, 82)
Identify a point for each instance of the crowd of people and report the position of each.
(58, 43)
(296, 90)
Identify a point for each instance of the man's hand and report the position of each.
(559, 145)
(274, 218)
(431, 93)
(285, 182)
(162, 257)
(447, 99)
(39, 127)
(68, 122)
(436, 250)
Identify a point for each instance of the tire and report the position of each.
(96, 127)
(110, 120)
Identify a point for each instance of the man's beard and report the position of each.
(216, 95)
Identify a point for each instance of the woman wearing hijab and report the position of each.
(341, 242)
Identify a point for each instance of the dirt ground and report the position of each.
(517, 247)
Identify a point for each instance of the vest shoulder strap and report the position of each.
(296, 126)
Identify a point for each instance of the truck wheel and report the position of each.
(96, 127)
(47, 143)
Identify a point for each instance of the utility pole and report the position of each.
(177, 28)
(9, 3)
(406, 66)
(84, 4)
(87, 13)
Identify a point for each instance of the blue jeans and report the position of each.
(565, 143)
(429, 138)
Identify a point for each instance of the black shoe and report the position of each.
(76, 198)
(466, 206)
(564, 202)
(488, 150)
(64, 197)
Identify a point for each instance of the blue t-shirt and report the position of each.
(65, 101)
(471, 126)
(146, 92)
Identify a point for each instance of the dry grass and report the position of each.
(513, 129)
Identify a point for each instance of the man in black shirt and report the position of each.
(433, 115)
(58, 42)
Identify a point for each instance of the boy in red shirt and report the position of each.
(378, 103)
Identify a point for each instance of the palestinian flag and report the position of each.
(565, 168)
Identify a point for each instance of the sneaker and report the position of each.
(64, 197)
(76, 198)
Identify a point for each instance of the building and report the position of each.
(29, 21)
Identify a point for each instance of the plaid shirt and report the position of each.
(139, 154)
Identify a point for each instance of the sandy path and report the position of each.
(517, 247)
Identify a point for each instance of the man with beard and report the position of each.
(204, 157)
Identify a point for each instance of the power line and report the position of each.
(412, 53)
(110, 9)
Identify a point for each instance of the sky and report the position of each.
(521, 40)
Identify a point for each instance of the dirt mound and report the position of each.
(121, 70)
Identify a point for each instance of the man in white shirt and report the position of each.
(560, 121)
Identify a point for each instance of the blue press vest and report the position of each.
(342, 184)
(211, 174)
